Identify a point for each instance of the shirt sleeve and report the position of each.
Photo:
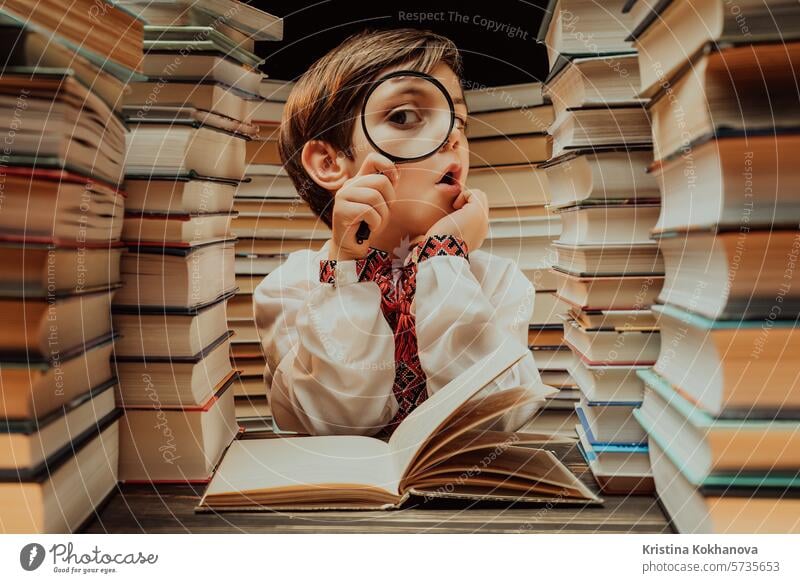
(329, 349)
(460, 319)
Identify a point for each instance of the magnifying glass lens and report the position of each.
(407, 117)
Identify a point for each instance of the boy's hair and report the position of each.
(327, 99)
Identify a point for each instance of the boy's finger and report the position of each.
(481, 199)
(373, 198)
(379, 182)
(376, 163)
(474, 196)
(460, 200)
(362, 212)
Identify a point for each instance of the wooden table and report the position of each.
(170, 509)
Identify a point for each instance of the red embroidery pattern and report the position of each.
(442, 245)
(366, 267)
(410, 381)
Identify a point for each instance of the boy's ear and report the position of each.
(326, 166)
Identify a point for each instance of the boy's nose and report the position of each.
(453, 140)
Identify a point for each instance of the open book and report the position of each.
(437, 451)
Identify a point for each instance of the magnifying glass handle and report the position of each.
(363, 232)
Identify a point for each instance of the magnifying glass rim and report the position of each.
(407, 73)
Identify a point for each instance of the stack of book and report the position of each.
(272, 219)
(190, 123)
(608, 268)
(507, 130)
(721, 407)
(60, 225)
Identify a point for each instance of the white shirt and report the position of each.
(330, 351)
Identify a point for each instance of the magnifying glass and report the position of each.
(407, 116)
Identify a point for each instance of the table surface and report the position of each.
(144, 508)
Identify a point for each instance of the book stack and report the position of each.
(190, 123)
(507, 133)
(272, 219)
(721, 406)
(608, 268)
(60, 224)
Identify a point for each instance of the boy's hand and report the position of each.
(470, 220)
(366, 196)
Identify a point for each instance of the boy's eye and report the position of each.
(461, 123)
(404, 117)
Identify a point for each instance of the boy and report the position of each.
(357, 335)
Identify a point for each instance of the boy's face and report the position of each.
(425, 189)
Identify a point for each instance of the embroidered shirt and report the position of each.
(397, 295)
(351, 350)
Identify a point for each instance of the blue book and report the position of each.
(598, 445)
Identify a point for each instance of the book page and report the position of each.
(542, 471)
(471, 415)
(416, 429)
(477, 439)
(256, 465)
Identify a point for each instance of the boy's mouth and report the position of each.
(449, 179)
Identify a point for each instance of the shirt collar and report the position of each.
(400, 256)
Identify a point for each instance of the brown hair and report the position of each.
(324, 101)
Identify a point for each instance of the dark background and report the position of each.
(491, 57)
